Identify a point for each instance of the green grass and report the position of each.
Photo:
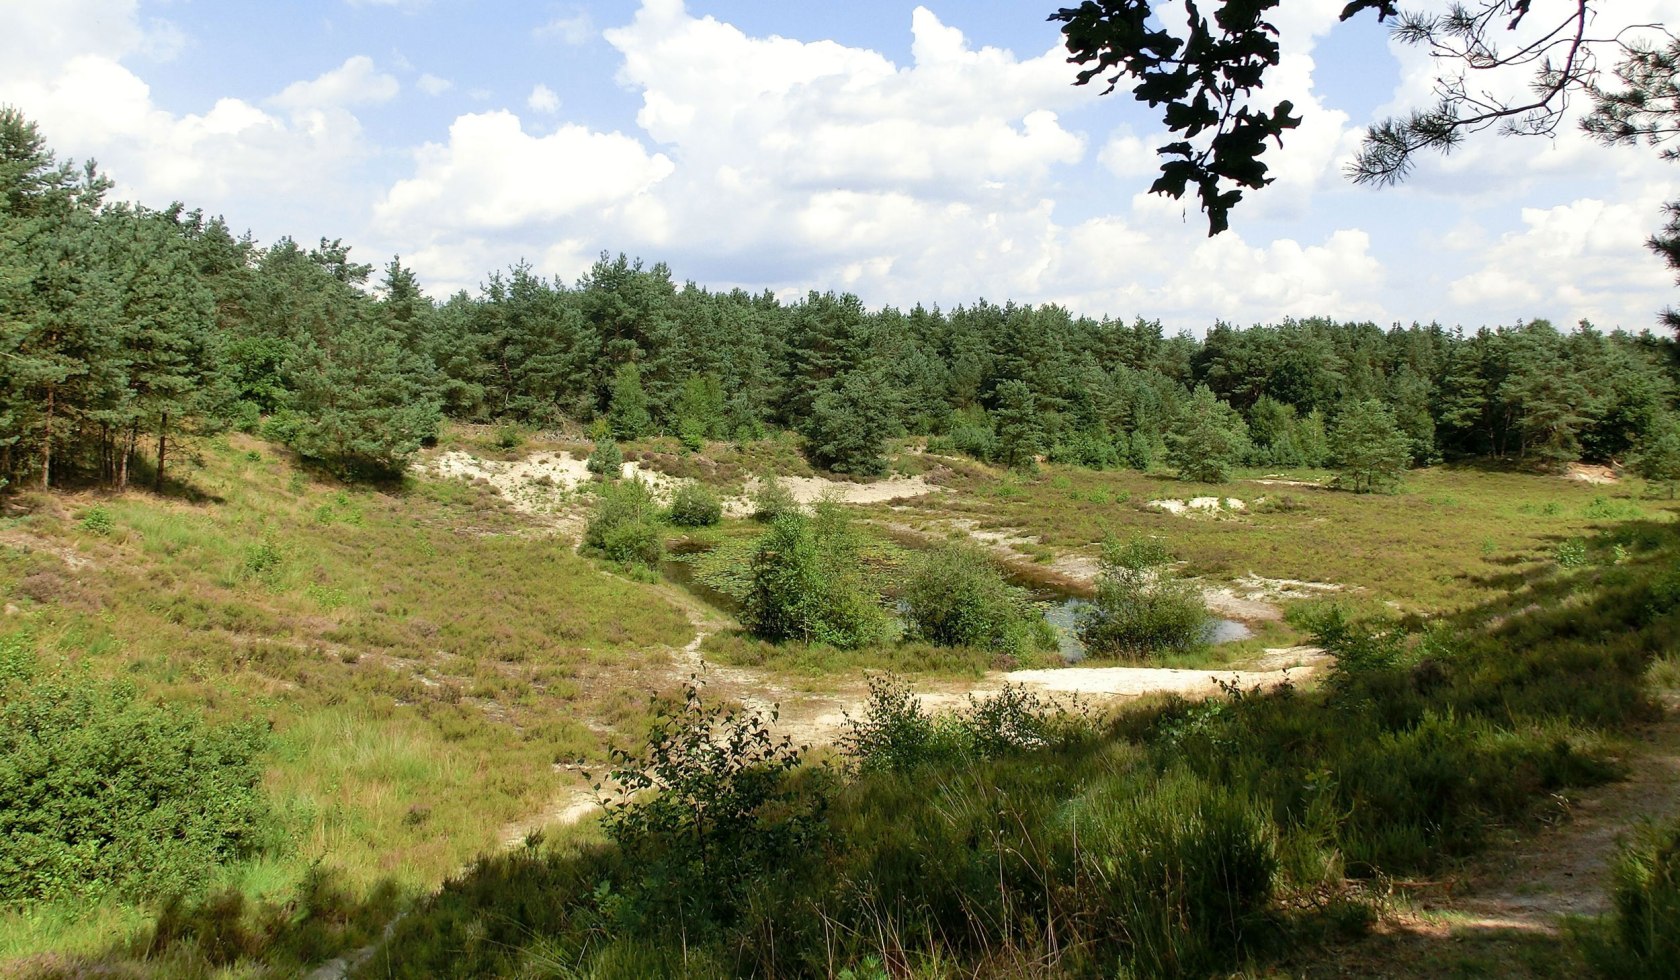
(1453, 537)
(424, 661)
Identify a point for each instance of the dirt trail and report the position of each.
(1564, 870)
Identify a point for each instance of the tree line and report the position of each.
(126, 331)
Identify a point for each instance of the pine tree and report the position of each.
(1018, 427)
(1658, 459)
(628, 412)
(1370, 450)
(1207, 439)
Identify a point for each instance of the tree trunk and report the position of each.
(125, 451)
(46, 442)
(163, 438)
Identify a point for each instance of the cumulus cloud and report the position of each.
(574, 28)
(433, 85)
(493, 175)
(1572, 261)
(356, 82)
(543, 99)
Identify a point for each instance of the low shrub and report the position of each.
(807, 584)
(1184, 871)
(1140, 607)
(692, 505)
(1643, 938)
(101, 792)
(772, 499)
(956, 597)
(607, 460)
(97, 520)
(625, 525)
(708, 801)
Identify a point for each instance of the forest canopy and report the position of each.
(126, 332)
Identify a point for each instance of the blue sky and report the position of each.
(931, 152)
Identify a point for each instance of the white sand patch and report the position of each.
(807, 490)
(1255, 598)
(1587, 473)
(1199, 505)
(538, 484)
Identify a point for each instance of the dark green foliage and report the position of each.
(1207, 78)
(625, 526)
(1643, 939)
(628, 410)
(1140, 608)
(956, 597)
(1658, 459)
(692, 505)
(1019, 430)
(807, 585)
(101, 792)
(1207, 439)
(709, 800)
(1187, 868)
(606, 460)
(1370, 450)
(197, 935)
(849, 425)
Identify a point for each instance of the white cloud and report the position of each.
(433, 85)
(543, 99)
(492, 175)
(1572, 262)
(574, 28)
(356, 82)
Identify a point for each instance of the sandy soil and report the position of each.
(1588, 473)
(1199, 506)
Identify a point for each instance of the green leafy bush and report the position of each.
(956, 597)
(692, 505)
(625, 526)
(807, 585)
(1140, 608)
(772, 499)
(607, 460)
(97, 520)
(709, 800)
(101, 792)
(896, 734)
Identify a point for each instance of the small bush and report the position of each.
(509, 437)
(1572, 554)
(625, 525)
(262, 560)
(1644, 938)
(101, 792)
(772, 499)
(955, 597)
(708, 801)
(1140, 608)
(607, 461)
(98, 520)
(807, 585)
(692, 505)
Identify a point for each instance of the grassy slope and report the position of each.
(1452, 538)
(424, 661)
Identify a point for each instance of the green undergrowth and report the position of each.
(421, 663)
(1178, 838)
